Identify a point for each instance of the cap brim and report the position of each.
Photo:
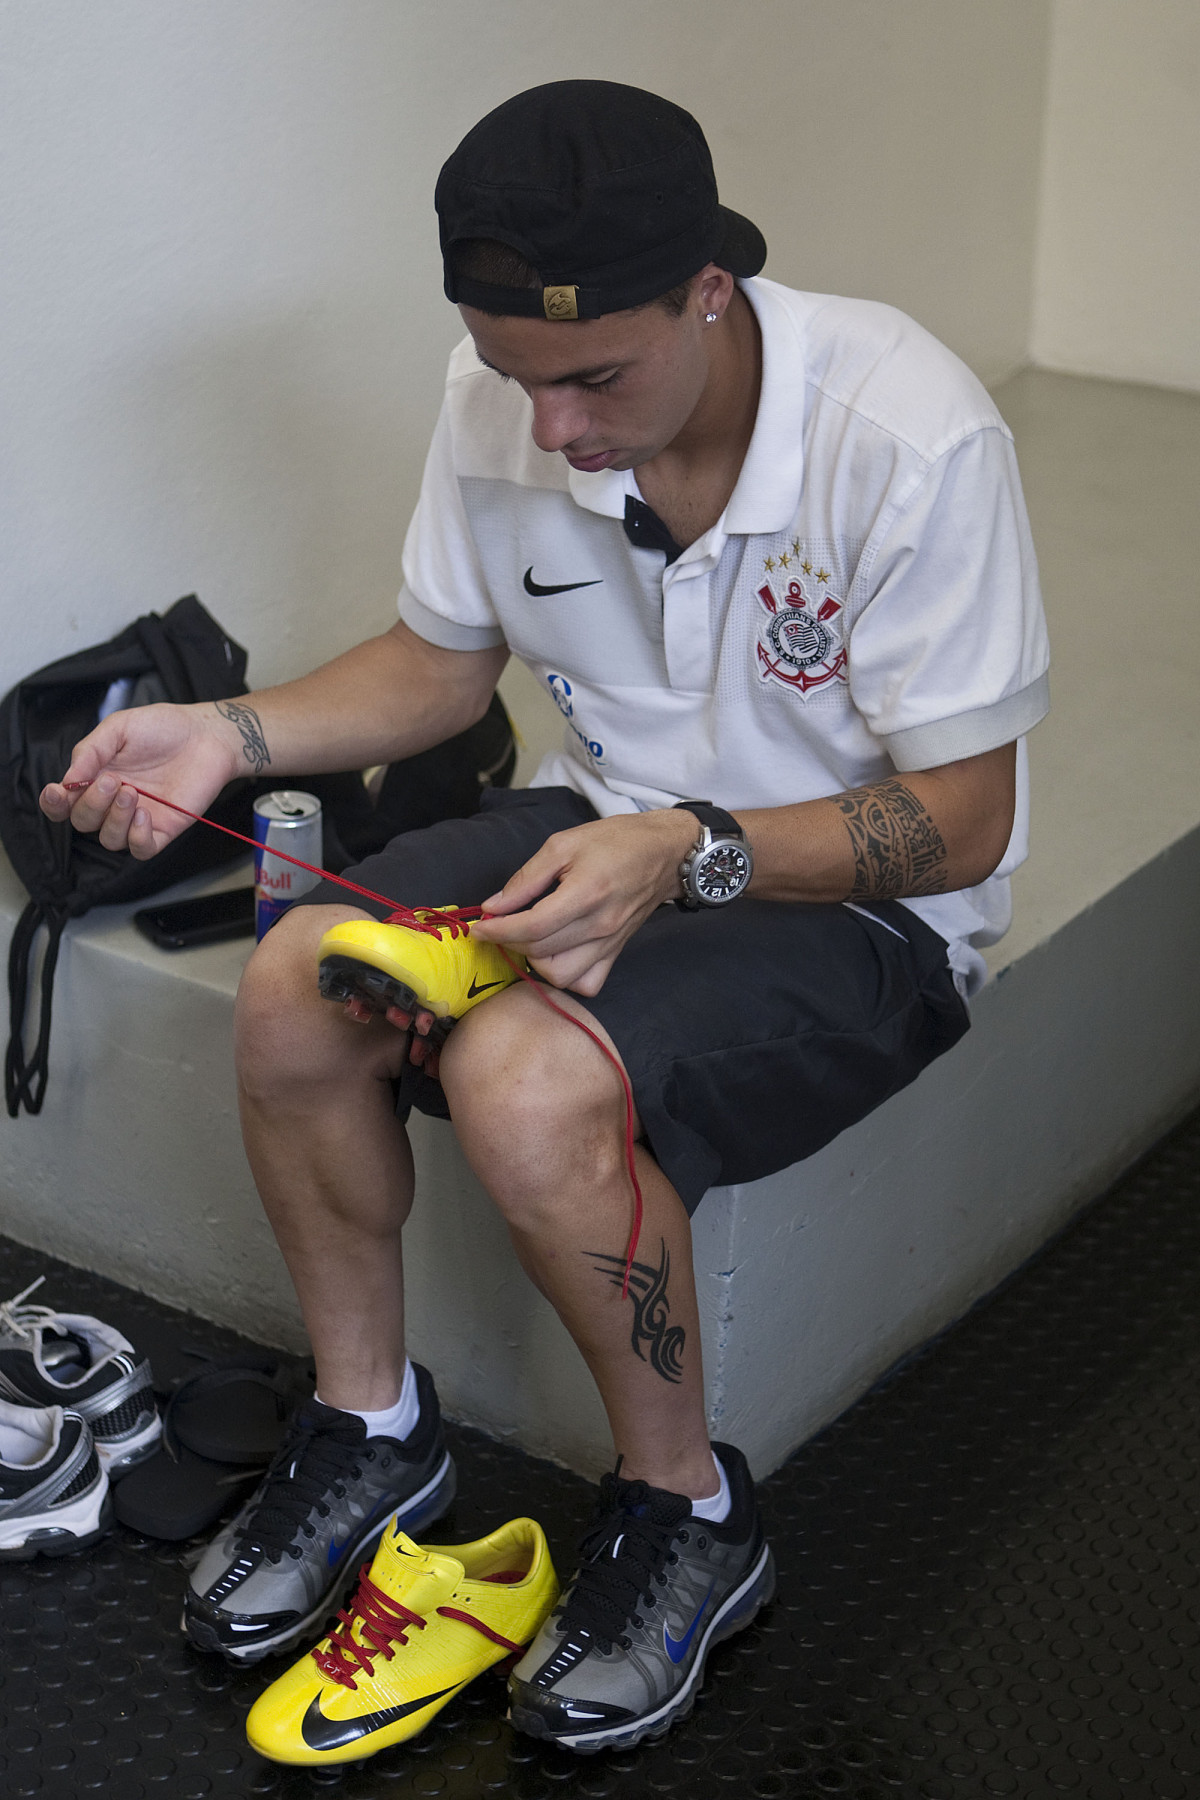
(743, 249)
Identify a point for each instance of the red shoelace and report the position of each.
(433, 920)
(382, 1622)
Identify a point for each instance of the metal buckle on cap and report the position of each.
(560, 302)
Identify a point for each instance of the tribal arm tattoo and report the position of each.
(648, 1292)
(897, 847)
(254, 744)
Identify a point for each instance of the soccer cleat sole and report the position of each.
(424, 1508)
(740, 1609)
(78, 1525)
(343, 978)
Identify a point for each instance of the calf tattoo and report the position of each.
(648, 1292)
(897, 847)
(254, 744)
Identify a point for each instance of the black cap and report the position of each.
(607, 191)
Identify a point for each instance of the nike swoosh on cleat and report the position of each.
(320, 1733)
(483, 987)
(677, 1648)
(563, 587)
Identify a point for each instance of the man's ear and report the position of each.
(714, 290)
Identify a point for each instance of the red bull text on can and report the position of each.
(284, 821)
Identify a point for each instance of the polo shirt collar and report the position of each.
(764, 499)
(603, 492)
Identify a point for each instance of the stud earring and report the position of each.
(710, 318)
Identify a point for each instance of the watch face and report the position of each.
(720, 873)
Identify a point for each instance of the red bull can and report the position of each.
(284, 821)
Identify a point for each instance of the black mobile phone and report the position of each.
(206, 920)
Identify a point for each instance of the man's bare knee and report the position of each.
(283, 1029)
(533, 1100)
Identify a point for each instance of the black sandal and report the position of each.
(221, 1428)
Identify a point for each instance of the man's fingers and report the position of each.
(89, 757)
(538, 923)
(114, 832)
(583, 968)
(529, 882)
(539, 934)
(108, 807)
(144, 840)
(55, 801)
(89, 809)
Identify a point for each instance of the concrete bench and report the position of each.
(1086, 1043)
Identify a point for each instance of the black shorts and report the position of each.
(753, 1033)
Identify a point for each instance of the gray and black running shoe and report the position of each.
(53, 1492)
(622, 1657)
(272, 1576)
(50, 1358)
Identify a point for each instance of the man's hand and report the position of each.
(574, 905)
(384, 700)
(184, 753)
(571, 908)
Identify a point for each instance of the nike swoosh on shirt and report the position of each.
(320, 1733)
(677, 1648)
(483, 987)
(563, 587)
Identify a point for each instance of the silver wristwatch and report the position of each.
(718, 868)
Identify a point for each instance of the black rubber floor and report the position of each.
(990, 1577)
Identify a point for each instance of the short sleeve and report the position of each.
(445, 597)
(949, 657)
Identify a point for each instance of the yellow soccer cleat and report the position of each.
(423, 1623)
(446, 973)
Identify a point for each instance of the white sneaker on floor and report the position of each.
(53, 1492)
(50, 1358)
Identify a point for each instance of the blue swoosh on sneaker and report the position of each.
(336, 1551)
(677, 1648)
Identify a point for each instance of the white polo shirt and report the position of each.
(868, 601)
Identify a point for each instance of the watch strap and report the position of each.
(719, 822)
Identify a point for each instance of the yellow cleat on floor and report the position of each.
(391, 965)
(423, 1623)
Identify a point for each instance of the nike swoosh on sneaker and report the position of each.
(677, 1648)
(563, 587)
(483, 987)
(337, 1550)
(320, 1733)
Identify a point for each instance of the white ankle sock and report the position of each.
(716, 1508)
(394, 1421)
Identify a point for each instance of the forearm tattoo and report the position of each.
(897, 847)
(648, 1293)
(254, 744)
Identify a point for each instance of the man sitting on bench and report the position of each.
(767, 551)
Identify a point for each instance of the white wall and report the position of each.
(221, 326)
(1118, 263)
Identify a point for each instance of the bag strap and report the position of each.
(25, 1077)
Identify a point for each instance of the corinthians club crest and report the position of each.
(800, 640)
